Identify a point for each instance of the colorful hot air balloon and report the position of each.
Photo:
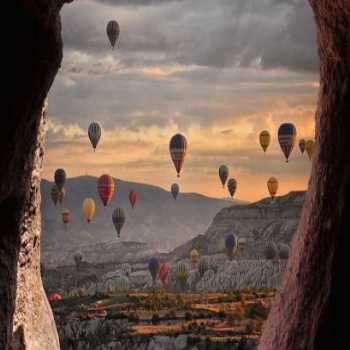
(182, 273)
(54, 194)
(66, 216)
(105, 187)
(61, 195)
(132, 198)
(223, 174)
(153, 267)
(175, 189)
(232, 186)
(287, 135)
(55, 297)
(265, 139)
(231, 244)
(118, 219)
(89, 208)
(272, 186)
(163, 272)
(113, 31)
(302, 145)
(178, 151)
(60, 178)
(310, 145)
(94, 133)
(194, 257)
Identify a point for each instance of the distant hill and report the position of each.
(256, 223)
(158, 220)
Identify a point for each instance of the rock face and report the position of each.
(255, 224)
(157, 219)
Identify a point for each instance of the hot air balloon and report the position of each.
(265, 139)
(132, 198)
(122, 284)
(182, 274)
(89, 208)
(60, 178)
(231, 244)
(153, 267)
(178, 151)
(113, 31)
(175, 190)
(310, 145)
(94, 134)
(283, 251)
(55, 297)
(302, 145)
(223, 174)
(61, 195)
(194, 257)
(287, 135)
(163, 272)
(272, 186)
(105, 187)
(118, 219)
(232, 186)
(66, 216)
(54, 194)
(270, 251)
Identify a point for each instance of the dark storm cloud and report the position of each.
(208, 33)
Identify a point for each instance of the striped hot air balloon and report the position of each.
(310, 145)
(302, 145)
(105, 187)
(113, 31)
(287, 135)
(272, 186)
(163, 272)
(132, 198)
(264, 139)
(175, 190)
(60, 178)
(178, 150)
(118, 218)
(94, 133)
(232, 186)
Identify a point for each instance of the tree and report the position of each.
(304, 313)
(33, 56)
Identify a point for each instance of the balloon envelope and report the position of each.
(94, 134)
(89, 209)
(175, 189)
(163, 272)
(310, 145)
(113, 31)
(105, 187)
(132, 198)
(153, 267)
(232, 186)
(60, 178)
(264, 139)
(287, 134)
(194, 256)
(231, 244)
(272, 186)
(65, 216)
(302, 145)
(223, 174)
(178, 151)
(118, 218)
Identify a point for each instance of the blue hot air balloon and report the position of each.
(153, 267)
(287, 134)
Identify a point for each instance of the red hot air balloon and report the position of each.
(163, 272)
(132, 198)
(55, 297)
(105, 187)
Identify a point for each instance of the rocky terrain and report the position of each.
(158, 221)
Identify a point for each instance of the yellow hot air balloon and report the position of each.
(272, 186)
(194, 256)
(89, 209)
(265, 139)
(310, 145)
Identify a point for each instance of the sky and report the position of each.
(218, 71)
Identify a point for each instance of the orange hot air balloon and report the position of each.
(132, 198)
(272, 186)
(66, 216)
(105, 187)
(310, 145)
(163, 272)
(178, 150)
(55, 297)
